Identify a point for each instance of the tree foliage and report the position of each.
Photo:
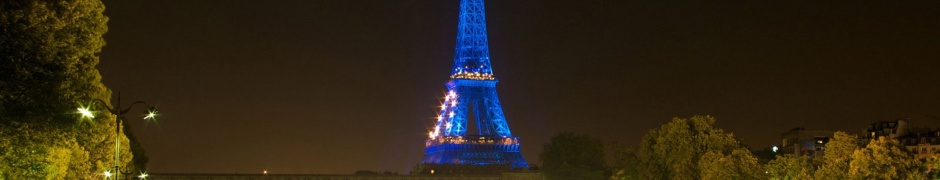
(48, 54)
(573, 156)
(693, 148)
(884, 158)
(791, 167)
(881, 158)
(932, 167)
(738, 164)
(623, 162)
(835, 162)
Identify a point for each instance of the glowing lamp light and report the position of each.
(775, 148)
(85, 112)
(107, 173)
(151, 115)
(142, 176)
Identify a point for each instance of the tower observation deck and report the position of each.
(471, 97)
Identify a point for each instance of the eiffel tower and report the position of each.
(471, 96)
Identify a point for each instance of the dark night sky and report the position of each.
(334, 86)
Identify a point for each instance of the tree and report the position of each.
(675, 150)
(37, 155)
(140, 158)
(884, 158)
(932, 166)
(790, 167)
(48, 54)
(573, 156)
(738, 164)
(835, 162)
(622, 161)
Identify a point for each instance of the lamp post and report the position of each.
(117, 111)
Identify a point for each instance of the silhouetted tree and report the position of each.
(623, 162)
(573, 156)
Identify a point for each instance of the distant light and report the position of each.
(143, 176)
(265, 172)
(107, 173)
(85, 112)
(775, 148)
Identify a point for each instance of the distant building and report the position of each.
(920, 142)
(800, 141)
(889, 129)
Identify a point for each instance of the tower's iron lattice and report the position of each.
(471, 96)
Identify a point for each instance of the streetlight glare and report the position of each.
(119, 112)
(151, 113)
(85, 112)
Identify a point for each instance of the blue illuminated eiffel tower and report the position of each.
(471, 96)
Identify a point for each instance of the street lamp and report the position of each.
(117, 111)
